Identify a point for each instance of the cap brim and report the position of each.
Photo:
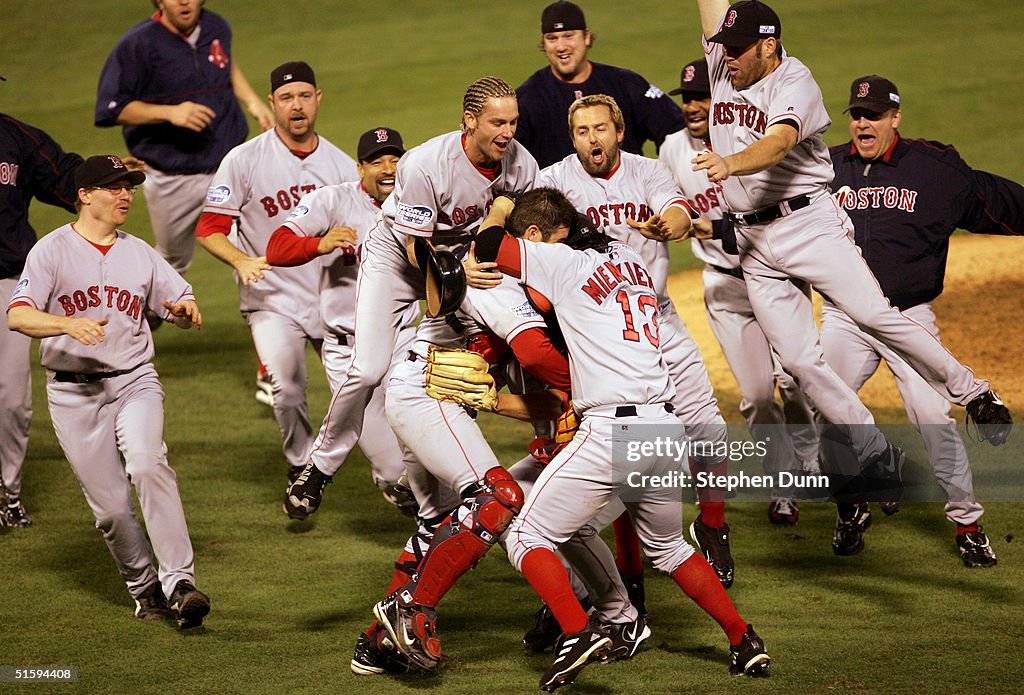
(701, 92)
(133, 177)
(871, 106)
(732, 38)
(373, 154)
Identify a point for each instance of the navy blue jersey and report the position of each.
(544, 102)
(32, 165)
(906, 204)
(153, 64)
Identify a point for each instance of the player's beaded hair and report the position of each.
(592, 100)
(547, 208)
(479, 92)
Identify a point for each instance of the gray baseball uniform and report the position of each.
(106, 401)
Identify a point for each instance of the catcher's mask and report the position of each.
(446, 283)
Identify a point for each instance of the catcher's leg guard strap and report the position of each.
(465, 537)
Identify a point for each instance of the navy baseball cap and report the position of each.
(102, 169)
(295, 71)
(562, 16)
(747, 22)
(376, 141)
(694, 79)
(873, 93)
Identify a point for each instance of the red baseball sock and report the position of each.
(400, 578)
(712, 499)
(548, 577)
(627, 547)
(698, 581)
(963, 530)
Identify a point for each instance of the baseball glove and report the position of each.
(460, 376)
(566, 428)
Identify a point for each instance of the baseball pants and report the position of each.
(175, 202)
(98, 423)
(15, 397)
(855, 356)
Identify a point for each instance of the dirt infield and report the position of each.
(980, 316)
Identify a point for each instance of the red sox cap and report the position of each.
(562, 16)
(377, 141)
(694, 79)
(747, 22)
(295, 71)
(873, 93)
(102, 169)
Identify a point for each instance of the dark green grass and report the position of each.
(290, 598)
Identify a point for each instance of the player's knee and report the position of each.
(505, 489)
(667, 557)
(368, 369)
(148, 467)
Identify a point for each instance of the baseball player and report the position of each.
(545, 97)
(616, 189)
(83, 292)
(906, 197)
(255, 188)
(767, 151)
(607, 306)
(319, 227)
(32, 165)
(171, 83)
(729, 313)
(442, 190)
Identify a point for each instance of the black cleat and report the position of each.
(572, 653)
(151, 604)
(411, 629)
(713, 543)
(305, 494)
(636, 592)
(625, 637)
(372, 658)
(884, 475)
(544, 633)
(975, 549)
(848, 538)
(13, 514)
(190, 605)
(749, 657)
(991, 418)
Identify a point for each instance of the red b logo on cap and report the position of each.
(117, 163)
(862, 90)
(382, 135)
(730, 18)
(690, 74)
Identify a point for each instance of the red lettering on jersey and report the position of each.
(602, 274)
(124, 298)
(8, 173)
(294, 190)
(308, 187)
(65, 302)
(908, 199)
(135, 310)
(111, 291)
(217, 54)
(268, 205)
(616, 272)
(283, 200)
(632, 275)
(81, 303)
(593, 289)
(94, 296)
(458, 216)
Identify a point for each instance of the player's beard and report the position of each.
(608, 161)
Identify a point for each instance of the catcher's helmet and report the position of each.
(446, 283)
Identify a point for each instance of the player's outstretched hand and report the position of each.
(185, 313)
(657, 228)
(483, 276)
(714, 164)
(190, 115)
(250, 268)
(336, 238)
(703, 229)
(86, 331)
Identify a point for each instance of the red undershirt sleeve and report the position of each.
(211, 223)
(286, 248)
(539, 357)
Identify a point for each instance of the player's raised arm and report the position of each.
(711, 13)
(248, 97)
(778, 140)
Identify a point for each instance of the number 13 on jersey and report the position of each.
(645, 307)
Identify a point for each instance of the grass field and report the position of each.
(290, 598)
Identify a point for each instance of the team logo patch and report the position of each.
(115, 162)
(525, 310)
(653, 92)
(767, 29)
(218, 194)
(217, 54)
(22, 286)
(381, 135)
(894, 98)
(414, 215)
(730, 19)
(299, 211)
(862, 90)
(689, 74)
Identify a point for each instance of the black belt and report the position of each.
(90, 377)
(735, 272)
(344, 338)
(772, 212)
(630, 410)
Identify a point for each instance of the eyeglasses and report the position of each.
(118, 187)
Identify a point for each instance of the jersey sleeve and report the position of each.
(548, 268)
(37, 280)
(798, 100)
(661, 190)
(505, 310)
(414, 201)
(50, 170)
(167, 285)
(120, 82)
(229, 187)
(314, 215)
(995, 205)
